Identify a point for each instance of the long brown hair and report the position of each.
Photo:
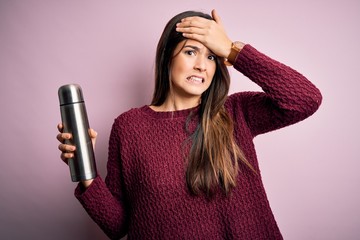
(214, 154)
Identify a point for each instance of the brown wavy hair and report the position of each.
(214, 154)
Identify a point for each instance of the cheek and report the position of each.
(179, 68)
(175, 72)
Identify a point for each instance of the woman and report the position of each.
(185, 166)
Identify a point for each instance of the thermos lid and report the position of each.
(70, 93)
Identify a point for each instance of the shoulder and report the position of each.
(129, 118)
(133, 114)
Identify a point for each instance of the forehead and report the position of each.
(192, 44)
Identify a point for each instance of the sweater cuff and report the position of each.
(82, 193)
(243, 56)
(248, 54)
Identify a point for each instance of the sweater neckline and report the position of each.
(168, 114)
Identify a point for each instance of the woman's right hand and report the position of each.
(67, 150)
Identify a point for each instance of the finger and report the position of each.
(192, 30)
(61, 137)
(92, 133)
(60, 127)
(216, 17)
(66, 148)
(193, 19)
(193, 22)
(66, 156)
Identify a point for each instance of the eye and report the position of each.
(190, 52)
(212, 57)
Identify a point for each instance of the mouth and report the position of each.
(195, 79)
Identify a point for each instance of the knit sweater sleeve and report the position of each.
(104, 201)
(288, 97)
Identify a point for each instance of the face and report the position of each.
(192, 70)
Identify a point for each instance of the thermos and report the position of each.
(75, 121)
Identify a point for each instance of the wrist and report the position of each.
(236, 47)
(87, 183)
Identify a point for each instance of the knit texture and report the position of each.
(145, 193)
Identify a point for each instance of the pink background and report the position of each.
(310, 170)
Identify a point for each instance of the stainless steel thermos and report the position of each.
(75, 121)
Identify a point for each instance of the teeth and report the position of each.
(195, 79)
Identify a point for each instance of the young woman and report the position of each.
(185, 166)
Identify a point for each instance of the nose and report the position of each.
(200, 64)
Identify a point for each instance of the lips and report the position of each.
(195, 79)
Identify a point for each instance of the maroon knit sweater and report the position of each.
(145, 193)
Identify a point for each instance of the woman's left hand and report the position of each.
(211, 33)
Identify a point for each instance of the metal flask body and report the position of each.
(75, 121)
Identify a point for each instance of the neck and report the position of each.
(173, 104)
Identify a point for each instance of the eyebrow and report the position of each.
(198, 49)
(192, 46)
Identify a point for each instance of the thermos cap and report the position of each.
(70, 93)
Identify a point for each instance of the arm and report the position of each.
(104, 201)
(288, 96)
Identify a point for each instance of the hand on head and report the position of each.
(211, 33)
